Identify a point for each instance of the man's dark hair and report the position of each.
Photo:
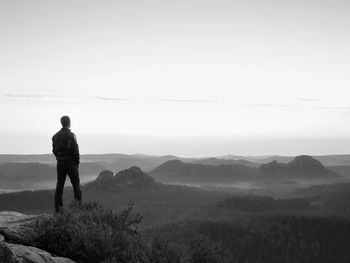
(65, 121)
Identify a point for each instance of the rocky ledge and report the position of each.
(15, 235)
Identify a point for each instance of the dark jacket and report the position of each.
(65, 146)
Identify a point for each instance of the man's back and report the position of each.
(65, 146)
(66, 150)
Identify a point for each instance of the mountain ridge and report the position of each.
(301, 167)
(326, 160)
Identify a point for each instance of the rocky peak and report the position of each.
(274, 165)
(302, 163)
(171, 165)
(105, 175)
(134, 171)
(303, 166)
(306, 162)
(133, 176)
(130, 177)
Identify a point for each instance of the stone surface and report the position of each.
(15, 227)
(16, 253)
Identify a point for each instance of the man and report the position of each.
(66, 150)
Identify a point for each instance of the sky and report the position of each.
(185, 77)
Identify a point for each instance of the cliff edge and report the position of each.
(15, 234)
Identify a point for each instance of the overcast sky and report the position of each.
(186, 77)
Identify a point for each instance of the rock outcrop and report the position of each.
(16, 232)
(176, 171)
(16, 253)
(105, 175)
(133, 177)
(302, 167)
(15, 227)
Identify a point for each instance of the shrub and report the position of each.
(204, 250)
(161, 252)
(90, 233)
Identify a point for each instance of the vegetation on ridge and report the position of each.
(90, 233)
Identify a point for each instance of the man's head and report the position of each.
(65, 121)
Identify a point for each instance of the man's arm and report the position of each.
(75, 149)
(53, 145)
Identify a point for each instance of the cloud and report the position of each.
(332, 107)
(55, 97)
(187, 101)
(310, 107)
(35, 97)
(100, 98)
(27, 96)
(271, 105)
(111, 98)
(310, 100)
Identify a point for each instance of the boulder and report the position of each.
(15, 253)
(16, 227)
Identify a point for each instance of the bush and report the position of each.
(204, 250)
(90, 233)
(162, 252)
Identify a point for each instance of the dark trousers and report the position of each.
(65, 168)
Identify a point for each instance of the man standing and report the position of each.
(66, 150)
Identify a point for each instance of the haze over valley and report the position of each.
(224, 201)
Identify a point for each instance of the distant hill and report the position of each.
(34, 158)
(18, 172)
(331, 160)
(34, 175)
(216, 161)
(158, 203)
(118, 162)
(303, 167)
(326, 160)
(112, 161)
(258, 159)
(29, 176)
(26, 175)
(146, 163)
(178, 171)
(125, 179)
(149, 162)
(343, 170)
